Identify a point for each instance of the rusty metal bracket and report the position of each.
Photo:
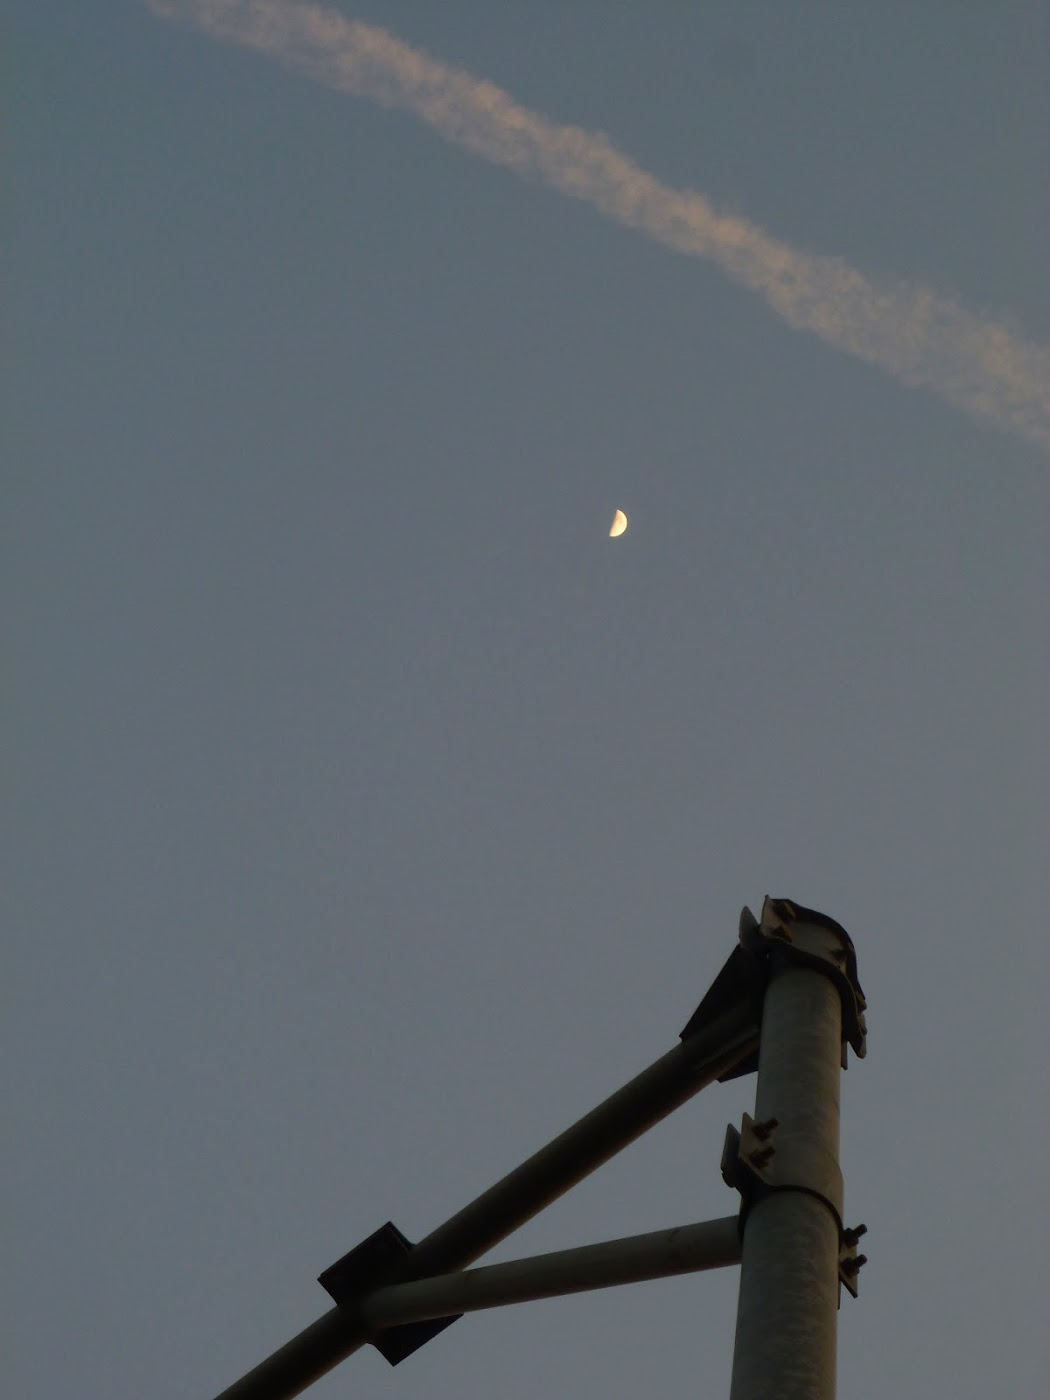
(754, 1164)
(788, 932)
(795, 934)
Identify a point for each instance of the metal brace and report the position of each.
(787, 931)
(850, 1262)
(750, 1165)
(804, 936)
(379, 1259)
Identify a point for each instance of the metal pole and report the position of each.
(686, 1249)
(786, 1314)
(643, 1102)
(709, 1052)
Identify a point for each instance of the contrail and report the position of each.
(924, 339)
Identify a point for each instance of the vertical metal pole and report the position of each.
(786, 1313)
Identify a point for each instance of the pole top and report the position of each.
(787, 933)
(793, 934)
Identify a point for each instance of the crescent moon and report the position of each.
(619, 524)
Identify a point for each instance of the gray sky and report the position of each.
(371, 814)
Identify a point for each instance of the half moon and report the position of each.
(619, 524)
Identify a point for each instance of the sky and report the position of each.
(371, 814)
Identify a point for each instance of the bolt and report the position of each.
(852, 1236)
(763, 1130)
(759, 1158)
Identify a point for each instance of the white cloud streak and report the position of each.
(923, 339)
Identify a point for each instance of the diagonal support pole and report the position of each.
(714, 1045)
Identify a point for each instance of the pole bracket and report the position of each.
(850, 1262)
(793, 934)
(787, 932)
(754, 1164)
(380, 1259)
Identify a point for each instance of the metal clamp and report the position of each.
(850, 1262)
(755, 1164)
(795, 934)
(381, 1259)
(790, 932)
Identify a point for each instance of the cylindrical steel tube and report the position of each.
(668, 1083)
(786, 1313)
(685, 1249)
